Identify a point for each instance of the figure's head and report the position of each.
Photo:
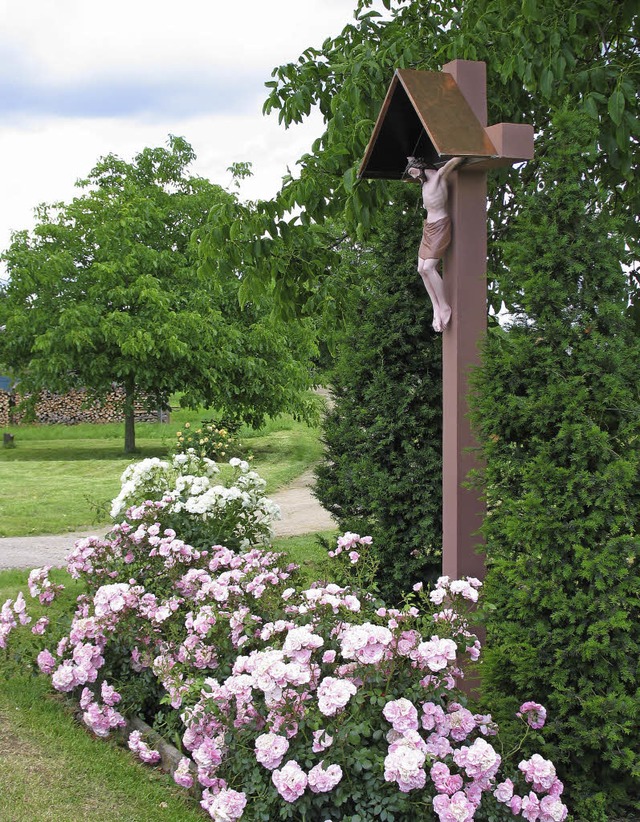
(416, 169)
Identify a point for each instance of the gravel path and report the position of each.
(301, 514)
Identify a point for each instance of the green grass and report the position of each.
(307, 552)
(51, 767)
(62, 478)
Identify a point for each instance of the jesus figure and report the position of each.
(436, 234)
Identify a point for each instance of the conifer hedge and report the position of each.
(382, 473)
(557, 409)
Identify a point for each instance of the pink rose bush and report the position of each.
(313, 701)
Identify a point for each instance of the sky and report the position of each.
(80, 79)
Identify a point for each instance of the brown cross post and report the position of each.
(437, 115)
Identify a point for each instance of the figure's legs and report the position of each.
(435, 288)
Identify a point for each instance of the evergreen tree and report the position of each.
(558, 412)
(382, 473)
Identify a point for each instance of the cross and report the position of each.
(436, 115)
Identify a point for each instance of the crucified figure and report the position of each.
(436, 234)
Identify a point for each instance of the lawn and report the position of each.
(62, 478)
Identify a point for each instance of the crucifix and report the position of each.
(438, 116)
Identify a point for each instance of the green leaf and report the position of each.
(616, 105)
(591, 106)
(546, 82)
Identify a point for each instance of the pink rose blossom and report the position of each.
(456, 808)
(365, 643)
(466, 591)
(479, 761)
(540, 772)
(552, 809)
(333, 695)
(109, 694)
(40, 626)
(46, 662)
(141, 749)
(436, 653)
(402, 715)
(321, 741)
(64, 678)
(438, 746)
(433, 717)
(270, 749)
(534, 714)
(460, 722)
(404, 762)
(182, 775)
(504, 791)
(530, 807)
(444, 781)
(290, 781)
(225, 806)
(323, 780)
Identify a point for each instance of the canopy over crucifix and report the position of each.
(436, 116)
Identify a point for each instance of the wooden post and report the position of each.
(465, 284)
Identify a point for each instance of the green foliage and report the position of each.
(538, 53)
(106, 290)
(559, 417)
(381, 473)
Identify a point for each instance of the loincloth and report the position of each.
(435, 239)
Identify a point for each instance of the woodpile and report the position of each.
(4, 408)
(74, 407)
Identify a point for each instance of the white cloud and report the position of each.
(68, 38)
(82, 78)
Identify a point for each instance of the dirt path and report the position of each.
(301, 514)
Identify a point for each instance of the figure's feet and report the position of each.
(445, 315)
(437, 325)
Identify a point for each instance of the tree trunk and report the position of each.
(129, 416)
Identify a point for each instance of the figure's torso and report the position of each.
(434, 196)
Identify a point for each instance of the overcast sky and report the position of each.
(82, 78)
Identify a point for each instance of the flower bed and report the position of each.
(290, 701)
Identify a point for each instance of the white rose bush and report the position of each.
(193, 501)
(289, 701)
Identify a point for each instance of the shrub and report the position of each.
(314, 703)
(382, 469)
(187, 501)
(213, 439)
(558, 413)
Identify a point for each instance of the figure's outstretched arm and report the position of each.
(450, 166)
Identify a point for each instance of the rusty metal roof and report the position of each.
(423, 115)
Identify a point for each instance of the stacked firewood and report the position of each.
(4, 409)
(74, 407)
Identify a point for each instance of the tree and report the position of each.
(558, 413)
(382, 470)
(538, 53)
(106, 290)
